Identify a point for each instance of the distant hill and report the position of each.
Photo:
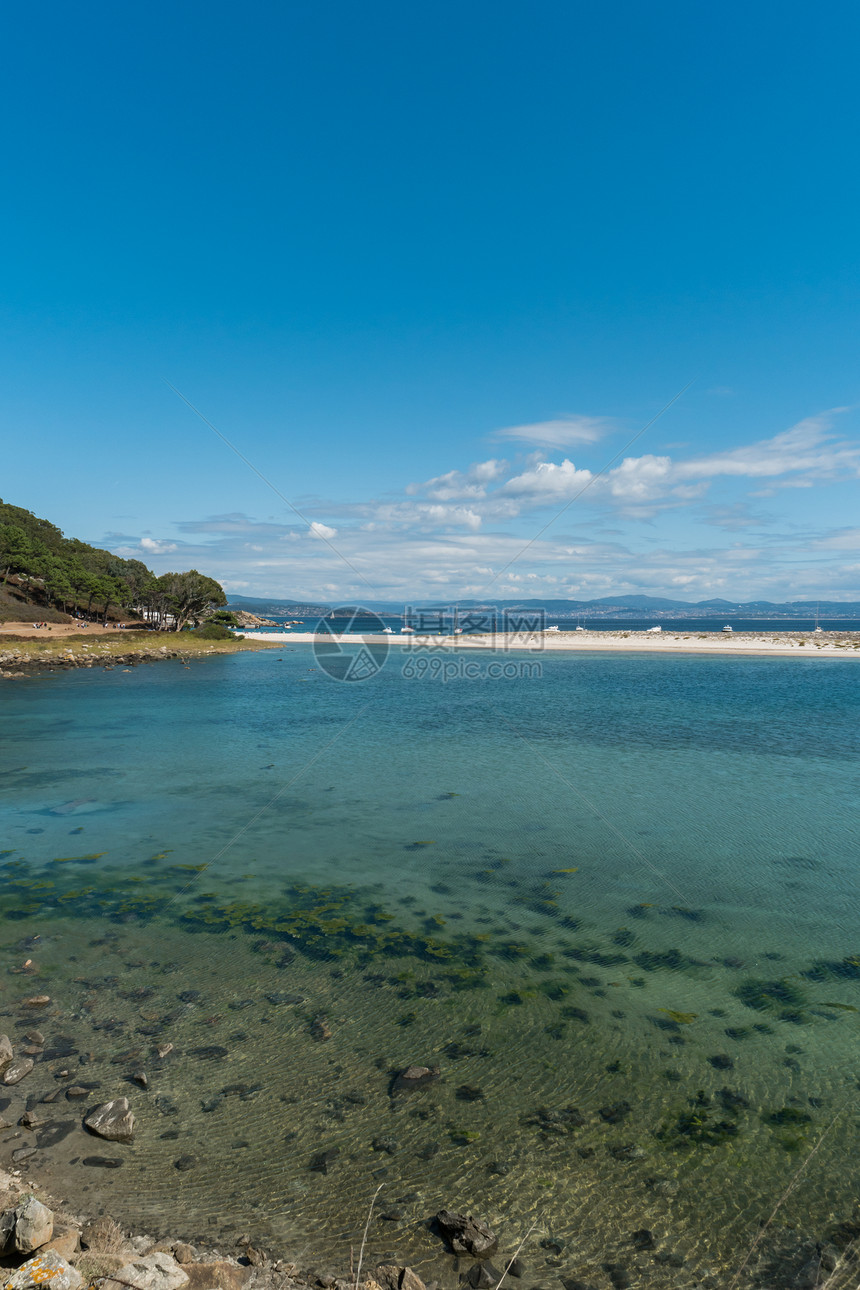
(605, 607)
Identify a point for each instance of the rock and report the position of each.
(466, 1235)
(184, 1253)
(279, 997)
(158, 1271)
(35, 1037)
(516, 1268)
(391, 1277)
(16, 1071)
(414, 1077)
(481, 1276)
(390, 1145)
(47, 1267)
(76, 1091)
(30, 1120)
(6, 1053)
(141, 1078)
(37, 1001)
(218, 1275)
(65, 1241)
(721, 1062)
(320, 1029)
(185, 1163)
(22, 1153)
(615, 1112)
(163, 1049)
(320, 1163)
(643, 1239)
(112, 1120)
(102, 1162)
(34, 1225)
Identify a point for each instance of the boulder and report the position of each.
(112, 1120)
(66, 1241)
(34, 1226)
(466, 1235)
(44, 1268)
(158, 1271)
(16, 1070)
(6, 1053)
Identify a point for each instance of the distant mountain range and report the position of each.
(606, 607)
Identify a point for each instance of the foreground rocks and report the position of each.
(47, 1268)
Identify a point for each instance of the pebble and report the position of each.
(185, 1162)
(113, 1120)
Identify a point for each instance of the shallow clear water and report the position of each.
(626, 887)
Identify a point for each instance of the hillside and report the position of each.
(47, 576)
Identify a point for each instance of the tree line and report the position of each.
(80, 579)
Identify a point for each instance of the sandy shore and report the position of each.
(782, 644)
(54, 631)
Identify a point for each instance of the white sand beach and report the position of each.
(781, 644)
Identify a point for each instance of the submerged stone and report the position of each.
(465, 1234)
(112, 1120)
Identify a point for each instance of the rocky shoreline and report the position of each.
(18, 661)
(42, 1241)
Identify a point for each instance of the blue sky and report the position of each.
(431, 268)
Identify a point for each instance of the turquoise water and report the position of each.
(389, 853)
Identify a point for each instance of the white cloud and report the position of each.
(565, 432)
(322, 531)
(459, 485)
(154, 546)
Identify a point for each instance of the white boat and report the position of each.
(654, 629)
(580, 629)
(552, 629)
(727, 630)
(410, 630)
(389, 631)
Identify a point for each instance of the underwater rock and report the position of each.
(44, 1268)
(481, 1276)
(323, 1159)
(465, 1234)
(390, 1145)
(557, 1123)
(721, 1062)
(6, 1053)
(22, 1153)
(614, 1112)
(320, 1029)
(76, 1091)
(112, 1120)
(102, 1162)
(643, 1239)
(184, 1163)
(469, 1093)
(414, 1077)
(17, 1070)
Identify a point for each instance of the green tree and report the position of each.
(190, 596)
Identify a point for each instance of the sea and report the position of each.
(607, 906)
